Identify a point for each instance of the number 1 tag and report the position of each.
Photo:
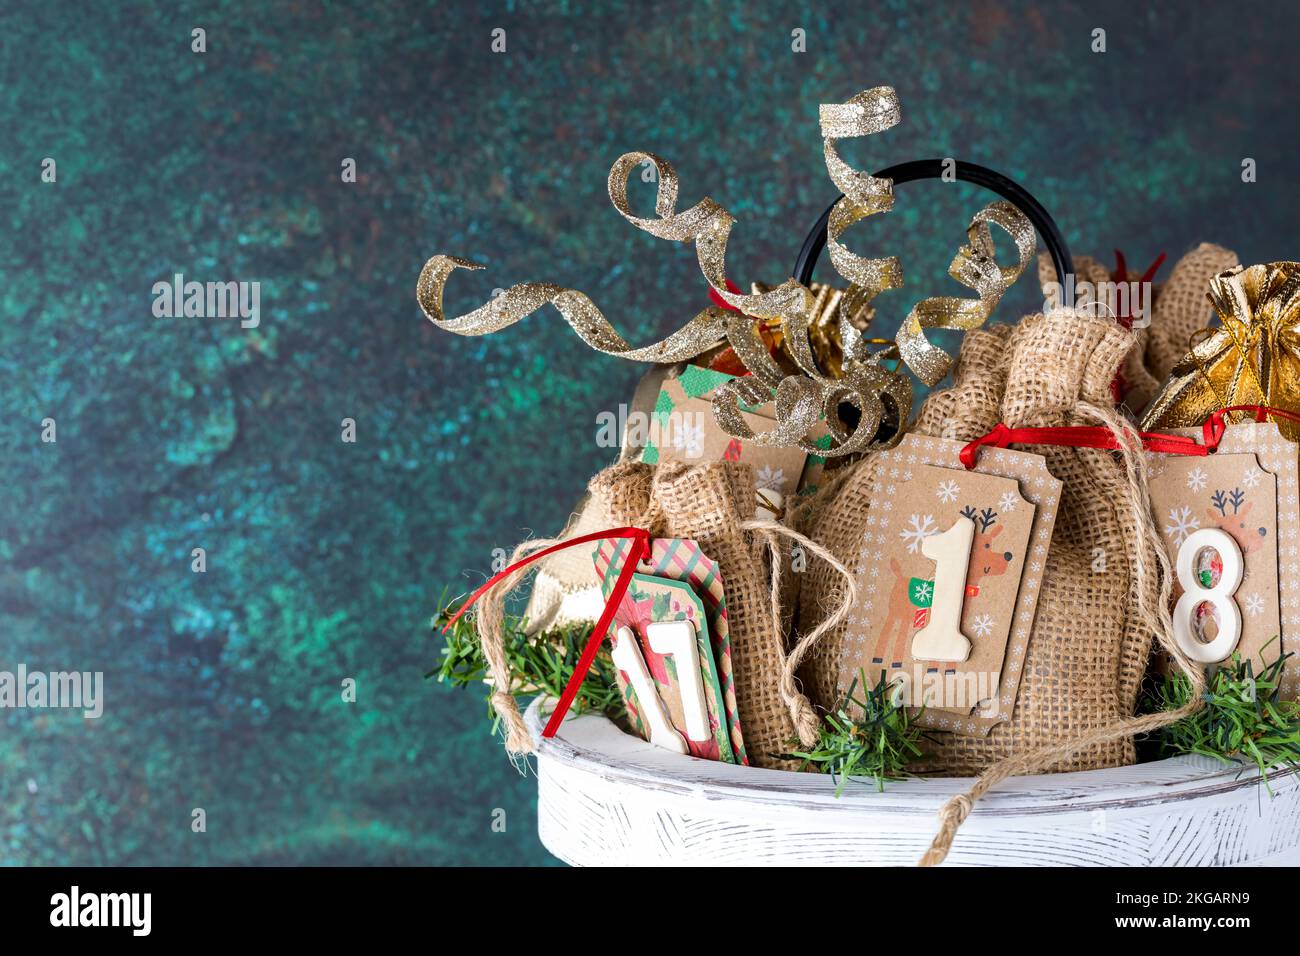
(941, 638)
(948, 579)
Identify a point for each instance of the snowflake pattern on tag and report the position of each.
(921, 489)
(1255, 500)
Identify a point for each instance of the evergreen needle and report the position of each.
(866, 736)
(1244, 717)
(541, 664)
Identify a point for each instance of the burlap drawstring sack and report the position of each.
(1088, 649)
(564, 593)
(1179, 310)
(563, 590)
(712, 504)
(1093, 630)
(836, 517)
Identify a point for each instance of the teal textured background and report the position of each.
(326, 559)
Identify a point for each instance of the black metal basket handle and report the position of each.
(1008, 189)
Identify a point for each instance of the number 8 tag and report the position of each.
(1220, 596)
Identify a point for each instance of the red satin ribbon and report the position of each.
(640, 551)
(1092, 436)
(1085, 436)
(1261, 413)
(1121, 275)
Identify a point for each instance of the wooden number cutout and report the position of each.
(941, 639)
(627, 658)
(677, 640)
(1220, 596)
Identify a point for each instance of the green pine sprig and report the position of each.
(866, 736)
(1244, 717)
(539, 665)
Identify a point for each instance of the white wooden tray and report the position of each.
(608, 798)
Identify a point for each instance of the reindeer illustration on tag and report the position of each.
(948, 580)
(1208, 567)
(1225, 515)
(912, 599)
(1249, 538)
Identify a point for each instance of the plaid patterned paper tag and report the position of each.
(681, 559)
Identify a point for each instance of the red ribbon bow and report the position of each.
(639, 552)
(1120, 274)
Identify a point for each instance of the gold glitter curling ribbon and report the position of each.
(871, 112)
(801, 400)
(1252, 358)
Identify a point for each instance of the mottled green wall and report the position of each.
(325, 558)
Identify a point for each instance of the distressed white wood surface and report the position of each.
(607, 798)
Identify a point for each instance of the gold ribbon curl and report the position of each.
(974, 266)
(801, 400)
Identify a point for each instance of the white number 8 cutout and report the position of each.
(1220, 596)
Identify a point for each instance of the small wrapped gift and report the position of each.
(1252, 358)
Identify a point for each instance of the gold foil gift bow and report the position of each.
(823, 335)
(1253, 358)
(801, 399)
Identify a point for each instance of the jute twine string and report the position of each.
(806, 723)
(490, 618)
(1157, 618)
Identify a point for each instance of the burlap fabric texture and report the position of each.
(1089, 647)
(1179, 310)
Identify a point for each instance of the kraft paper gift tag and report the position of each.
(1237, 504)
(684, 429)
(948, 580)
(676, 669)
